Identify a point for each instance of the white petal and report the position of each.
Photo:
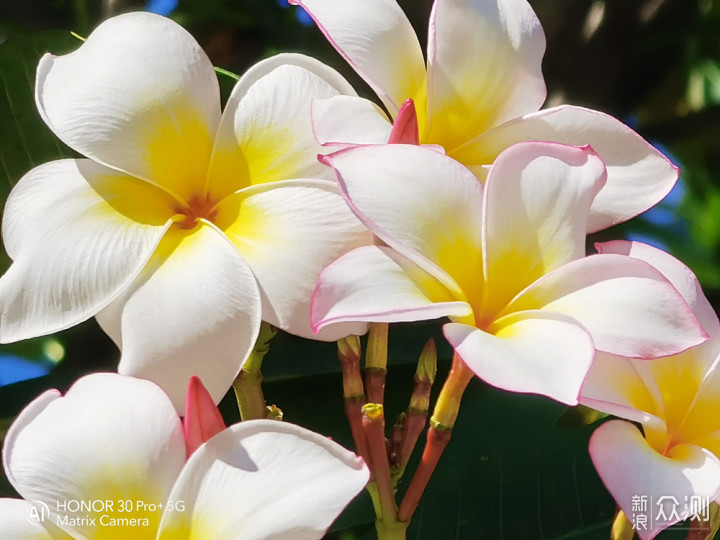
(376, 38)
(345, 120)
(483, 66)
(288, 232)
(531, 352)
(629, 468)
(266, 479)
(139, 95)
(623, 387)
(423, 204)
(377, 284)
(110, 438)
(628, 307)
(194, 310)
(537, 199)
(681, 277)
(79, 233)
(266, 133)
(639, 176)
(22, 520)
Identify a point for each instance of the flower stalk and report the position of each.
(438, 435)
(376, 362)
(248, 384)
(349, 353)
(373, 422)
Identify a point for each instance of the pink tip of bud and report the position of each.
(405, 128)
(202, 418)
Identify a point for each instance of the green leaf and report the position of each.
(26, 141)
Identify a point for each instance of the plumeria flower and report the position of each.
(673, 464)
(108, 460)
(504, 260)
(184, 227)
(480, 93)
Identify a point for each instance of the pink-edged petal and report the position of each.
(377, 40)
(629, 467)
(110, 438)
(377, 284)
(78, 234)
(423, 204)
(348, 120)
(639, 176)
(265, 479)
(139, 95)
(194, 310)
(624, 387)
(483, 67)
(266, 132)
(681, 277)
(22, 520)
(202, 419)
(288, 232)
(531, 352)
(628, 307)
(537, 199)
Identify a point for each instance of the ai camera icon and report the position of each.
(36, 512)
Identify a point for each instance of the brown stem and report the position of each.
(374, 424)
(438, 435)
(437, 440)
(353, 411)
(375, 385)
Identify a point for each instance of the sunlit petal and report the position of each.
(378, 284)
(288, 232)
(78, 233)
(266, 134)
(639, 176)
(110, 438)
(264, 479)
(536, 206)
(655, 319)
(531, 352)
(483, 66)
(376, 38)
(344, 120)
(629, 468)
(194, 310)
(139, 95)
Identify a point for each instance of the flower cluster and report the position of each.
(309, 208)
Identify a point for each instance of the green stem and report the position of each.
(248, 384)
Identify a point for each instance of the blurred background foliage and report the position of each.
(517, 466)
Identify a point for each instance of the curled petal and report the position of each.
(629, 467)
(265, 134)
(628, 307)
(78, 233)
(537, 199)
(377, 284)
(267, 479)
(531, 352)
(110, 438)
(376, 38)
(639, 176)
(139, 95)
(423, 204)
(194, 310)
(496, 77)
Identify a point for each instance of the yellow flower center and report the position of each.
(198, 207)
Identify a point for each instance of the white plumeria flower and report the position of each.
(504, 260)
(107, 461)
(479, 94)
(676, 401)
(185, 226)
